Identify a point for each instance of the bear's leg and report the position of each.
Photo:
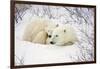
(41, 38)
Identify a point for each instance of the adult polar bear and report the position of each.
(63, 35)
(38, 30)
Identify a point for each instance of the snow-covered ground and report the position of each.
(81, 19)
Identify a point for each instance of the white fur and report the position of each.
(37, 30)
(59, 37)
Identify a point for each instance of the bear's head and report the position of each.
(63, 35)
(50, 27)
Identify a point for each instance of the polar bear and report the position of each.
(63, 35)
(33, 28)
(38, 30)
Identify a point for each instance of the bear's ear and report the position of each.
(57, 25)
(64, 30)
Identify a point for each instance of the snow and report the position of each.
(32, 53)
(81, 19)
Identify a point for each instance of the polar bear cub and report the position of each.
(63, 35)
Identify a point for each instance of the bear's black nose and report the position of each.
(51, 42)
(49, 36)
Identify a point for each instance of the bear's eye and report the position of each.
(56, 35)
(64, 30)
(49, 36)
